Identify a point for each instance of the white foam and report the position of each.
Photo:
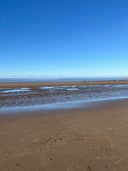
(74, 87)
(46, 88)
(16, 90)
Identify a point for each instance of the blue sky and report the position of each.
(69, 38)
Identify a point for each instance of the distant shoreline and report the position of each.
(38, 84)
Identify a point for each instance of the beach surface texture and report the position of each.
(93, 138)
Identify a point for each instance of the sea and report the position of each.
(59, 79)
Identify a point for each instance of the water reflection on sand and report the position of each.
(42, 97)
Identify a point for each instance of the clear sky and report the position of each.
(63, 38)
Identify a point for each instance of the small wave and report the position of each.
(16, 90)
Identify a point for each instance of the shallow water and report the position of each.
(49, 97)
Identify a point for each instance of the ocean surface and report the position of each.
(8, 80)
(58, 96)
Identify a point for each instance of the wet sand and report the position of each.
(93, 139)
(40, 84)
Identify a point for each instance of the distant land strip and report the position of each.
(41, 84)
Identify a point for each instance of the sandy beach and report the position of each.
(92, 139)
(40, 84)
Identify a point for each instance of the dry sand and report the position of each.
(94, 139)
(39, 84)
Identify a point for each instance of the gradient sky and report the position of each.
(68, 38)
